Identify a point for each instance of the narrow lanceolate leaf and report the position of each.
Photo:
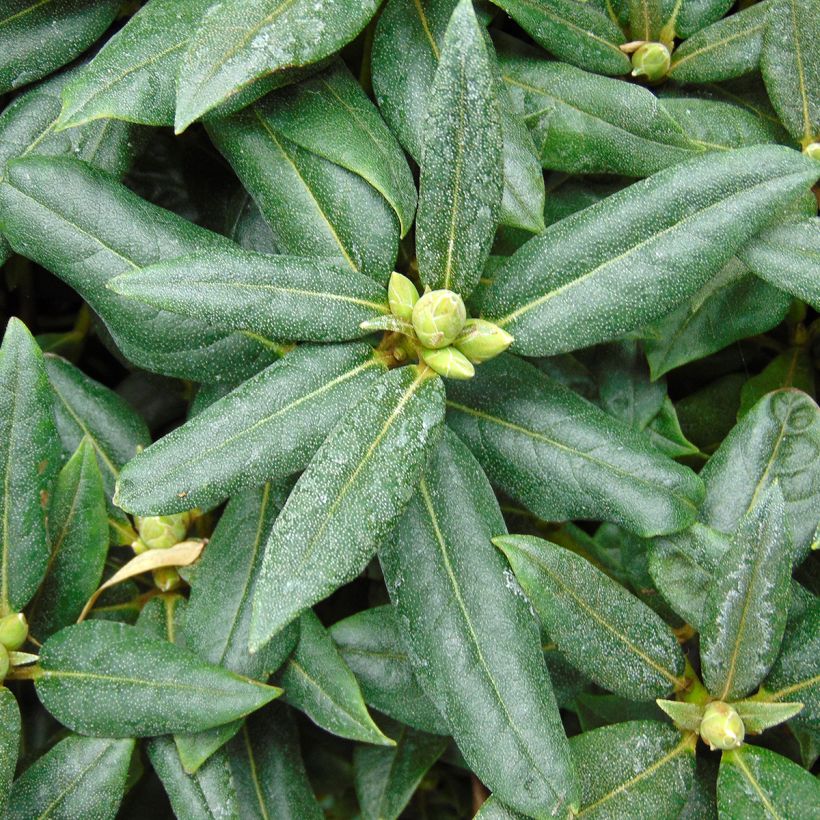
(108, 679)
(278, 297)
(633, 257)
(755, 782)
(386, 779)
(795, 675)
(583, 123)
(564, 458)
(370, 644)
(575, 32)
(460, 186)
(788, 256)
(318, 682)
(9, 742)
(86, 228)
(349, 498)
(84, 408)
(39, 36)
(209, 794)
(634, 769)
(472, 639)
(758, 716)
(747, 602)
(777, 440)
(790, 65)
(728, 48)
(247, 40)
(267, 428)
(330, 115)
(79, 777)
(78, 529)
(268, 771)
(603, 630)
(133, 77)
(29, 460)
(314, 206)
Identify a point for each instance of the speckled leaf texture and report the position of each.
(349, 498)
(626, 261)
(604, 631)
(108, 679)
(472, 639)
(777, 440)
(86, 229)
(39, 36)
(276, 297)
(29, 460)
(758, 784)
(267, 428)
(79, 777)
(564, 458)
(790, 64)
(651, 779)
(747, 602)
(10, 727)
(460, 184)
(242, 41)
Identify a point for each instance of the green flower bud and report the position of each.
(438, 318)
(166, 578)
(13, 630)
(158, 532)
(4, 662)
(481, 340)
(449, 362)
(652, 61)
(812, 150)
(402, 296)
(721, 727)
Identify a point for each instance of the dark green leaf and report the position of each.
(792, 368)
(267, 428)
(472, 639)
(79, 777)
(349, 498)
(694, 15)
(276, 297)
(9, 743)
(606, 633)
(39, 36)
(78, 530)
(387, 778)
(460, 185)
(494, 809)
(247, 40)
(634, 769)
(790, 64)
(564, 458)
(105, 678)
(595, 711)
(268, 771)
(757, 783)
(318, 682)
(370, 643)
(777, 440)
(30, 458)
(746, 605)
(86, 228)
(628, 260)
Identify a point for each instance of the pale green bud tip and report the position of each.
(652, 61)
(448, 362)
(13, 631)
(481, 340)
(166, 579)
(159, 532)
(402, 296)
(721, 727)
(438, 318)
(812, 150)
(5, 662)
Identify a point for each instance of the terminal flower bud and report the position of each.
(166, 578)
(402, 296)
(448, 362)
(721, 726)
(481, 340)
(158, 532)
(438, 318)
(812, 150)
(13, 631)
(652, 61)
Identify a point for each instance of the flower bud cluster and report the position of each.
(721, 726)
(160, 532)
(651, 61)
(13, 634)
